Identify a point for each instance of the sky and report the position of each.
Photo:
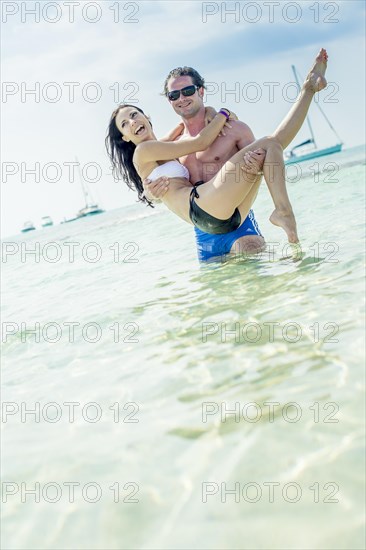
(66, 65)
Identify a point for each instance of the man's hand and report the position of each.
(253, 161)
(155, 190)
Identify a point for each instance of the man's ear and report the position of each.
(201, 91)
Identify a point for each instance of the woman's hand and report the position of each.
(233, 116)
(210, 113)
(253, 161)
(155, 190)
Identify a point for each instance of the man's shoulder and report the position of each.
(241, 132)
(239, 126)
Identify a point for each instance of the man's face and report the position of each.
(189, 106)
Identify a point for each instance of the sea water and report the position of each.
(177, 405)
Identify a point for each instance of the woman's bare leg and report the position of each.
(315, 81)
(232, 187)
(274, 175)
(273, 168)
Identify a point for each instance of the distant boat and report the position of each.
(65, 220)
(89, 210)
(46, 221)
(28, 226)
(308, 149)
(91, 207)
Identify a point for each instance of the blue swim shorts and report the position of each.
(210, 246)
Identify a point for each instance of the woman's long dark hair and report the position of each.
(121, 153)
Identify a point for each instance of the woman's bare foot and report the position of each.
(286, 220)
(315, 80)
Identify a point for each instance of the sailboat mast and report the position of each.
(307, 118)
(83, 185)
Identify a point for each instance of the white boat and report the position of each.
(46, 221)
(28, 226)
(89, 210)
(91, 207)
(308, 149)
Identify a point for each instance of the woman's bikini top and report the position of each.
(172, 169)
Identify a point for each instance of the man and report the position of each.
(204, 165)
(184, 88)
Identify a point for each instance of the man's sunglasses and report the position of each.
(186, 92)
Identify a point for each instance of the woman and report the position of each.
(225, 200)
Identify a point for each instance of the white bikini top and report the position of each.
(172, 169)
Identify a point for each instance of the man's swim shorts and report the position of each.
(210, 246)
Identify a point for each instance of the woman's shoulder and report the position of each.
(148, 149)
(140, 148)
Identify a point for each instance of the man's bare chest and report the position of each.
(203, 165)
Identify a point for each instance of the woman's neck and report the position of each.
(151, 137)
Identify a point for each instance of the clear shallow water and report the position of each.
(191, 340)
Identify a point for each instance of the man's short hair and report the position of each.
(184, 71)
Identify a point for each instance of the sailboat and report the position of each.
(91, 207)
(300, 152)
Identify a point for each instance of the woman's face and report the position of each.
(133, 125)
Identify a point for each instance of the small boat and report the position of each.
(89, 210)
(46, 221)
(308, 149)
(91, 207)
(65, 220)
(28, 226)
